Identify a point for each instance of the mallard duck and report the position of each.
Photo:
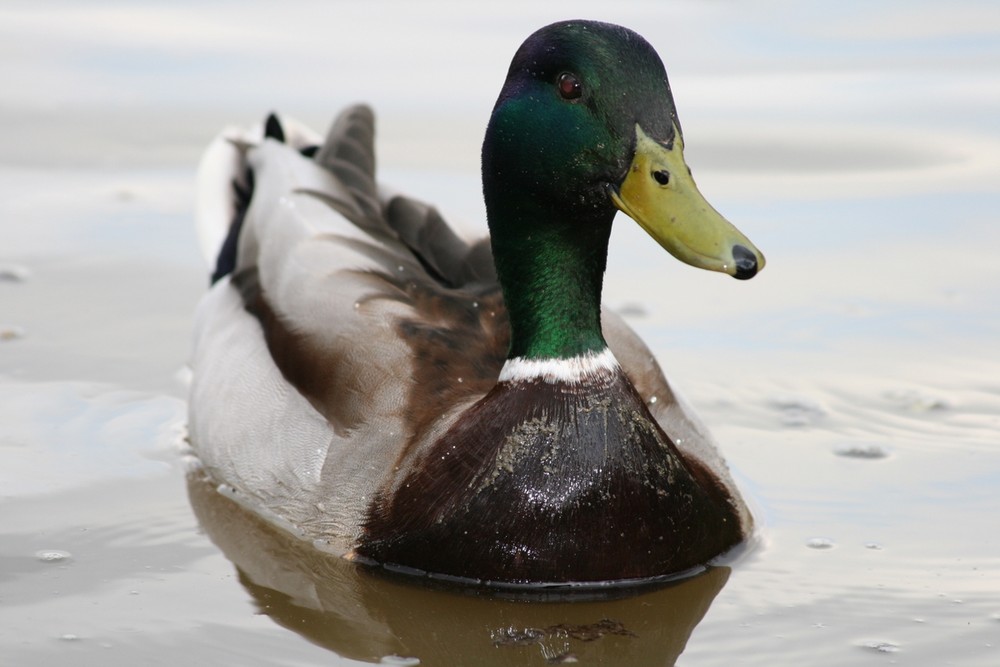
(370, 381)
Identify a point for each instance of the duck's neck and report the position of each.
(551, 270)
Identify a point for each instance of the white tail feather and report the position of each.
(221, 165)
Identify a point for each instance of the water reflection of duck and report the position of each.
(364, 617)
(368, 380)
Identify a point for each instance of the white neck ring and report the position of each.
(570, 370)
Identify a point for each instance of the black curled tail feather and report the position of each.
(225, 263)
(242, 193)
(273, 128)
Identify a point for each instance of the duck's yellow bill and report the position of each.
(661, 196)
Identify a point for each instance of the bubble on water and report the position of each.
(883, 647)
(399, 660)
(632, 310)
(797, 410)
(14, 273)
(184, 375)
(869, 451)
(916, 401)
(819, 543)
(53, 555)
(191, 464)
(10, 332)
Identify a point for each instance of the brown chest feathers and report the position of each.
(542, 482)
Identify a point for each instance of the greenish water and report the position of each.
(854, 385)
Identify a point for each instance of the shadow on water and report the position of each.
(366, 616)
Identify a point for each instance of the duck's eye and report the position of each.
(569, 86)
(662, 176)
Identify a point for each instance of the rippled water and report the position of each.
(854, 385)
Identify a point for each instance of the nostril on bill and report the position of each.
(746, 263)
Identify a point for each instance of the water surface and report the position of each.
(854, 385)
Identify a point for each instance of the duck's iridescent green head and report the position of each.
(585, 124)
